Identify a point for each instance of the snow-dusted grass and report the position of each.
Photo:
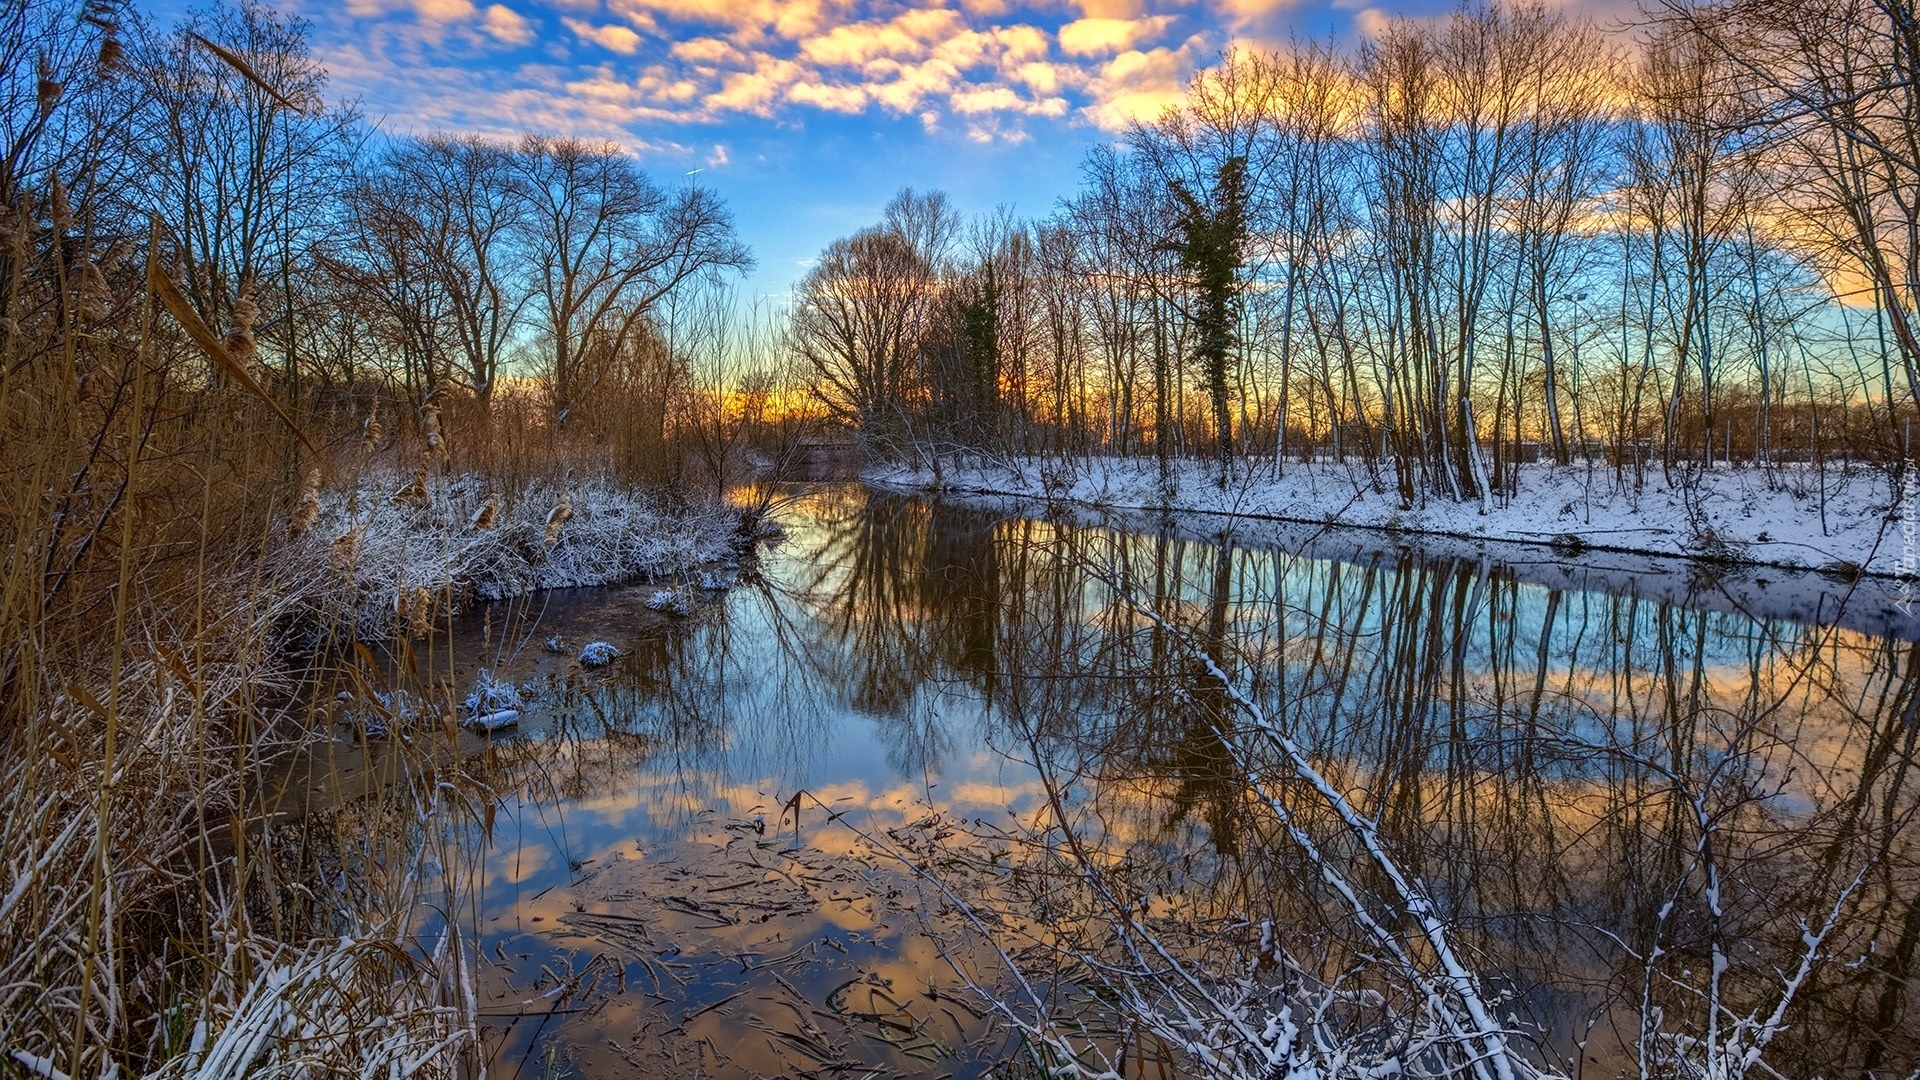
(390, 558)
(1791, 516)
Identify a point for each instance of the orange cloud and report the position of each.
(912, 34)
(790, 19)
(612, 38)
(709, 51)
(1111, 9)
(445, 10)
(842, 99)
(756, 91)
(1139, 85)
(1247, 10)
(1099, 37)
(912, 83)
(1021, 42)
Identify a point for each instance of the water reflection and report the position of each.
(1568, 772)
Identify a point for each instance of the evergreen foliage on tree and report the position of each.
(1212, 248)
(980, 344)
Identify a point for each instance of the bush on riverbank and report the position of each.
(377, 561)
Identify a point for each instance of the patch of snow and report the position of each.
(487, 723)
(373, 560)
(598, 654)
(1840, 519)
(388, 711)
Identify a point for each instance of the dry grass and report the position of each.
(166, 536)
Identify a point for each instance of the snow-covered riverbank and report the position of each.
(1795, 517)
(390, 557)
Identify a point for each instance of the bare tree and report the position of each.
(860, 313)
(607, 245)
(246, 176)
(463, 191)
(1838, 83)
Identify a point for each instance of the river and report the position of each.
(922, 750)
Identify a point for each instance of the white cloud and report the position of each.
(507, 26)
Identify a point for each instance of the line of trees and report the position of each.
(371, 269)
(1460, 246)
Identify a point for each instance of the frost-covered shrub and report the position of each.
(598, 654)
(379, 562)
(491, 694)
(670, 602)
(386, 712)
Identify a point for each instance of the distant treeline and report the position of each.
(368, 271)
(1498, 237)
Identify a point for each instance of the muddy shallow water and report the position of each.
(781, 833)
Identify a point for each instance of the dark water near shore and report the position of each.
(916, 678)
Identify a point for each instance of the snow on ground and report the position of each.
(388, 558)
(1793, 517)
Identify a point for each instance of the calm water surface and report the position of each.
(916, 677)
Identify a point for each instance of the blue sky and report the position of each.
(806, 115)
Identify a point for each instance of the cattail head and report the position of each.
(95, 298)
(245, 311)
(415, 493)
(488, 515)
(417, 611)
(557, 518)
(19, 230)
(430, 424)
(371, 433)
(344, 553)
(58, 207)
(48, 91)
(308, 512)
(240, 339)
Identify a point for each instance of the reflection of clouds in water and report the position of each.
(1492, 725)
(524, 862)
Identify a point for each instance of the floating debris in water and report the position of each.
(598, 654)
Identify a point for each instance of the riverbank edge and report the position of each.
(377, 566)
(1863, 554)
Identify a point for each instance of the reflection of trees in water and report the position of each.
(1564, 770)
